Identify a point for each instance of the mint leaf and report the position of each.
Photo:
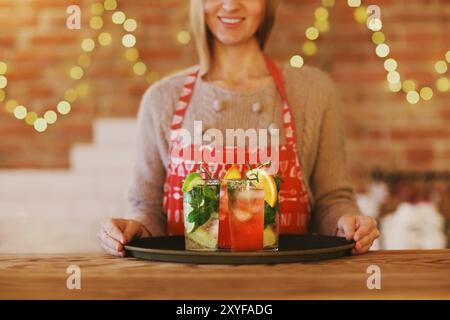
(204, 201)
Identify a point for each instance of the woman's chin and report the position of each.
(232, 41)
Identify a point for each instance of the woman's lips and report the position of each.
(231, 22)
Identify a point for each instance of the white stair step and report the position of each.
(117, 132)
(66, 186)
(104, 157)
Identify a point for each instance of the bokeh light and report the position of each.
(88, 45)
(40, 125)
(426, 93)
(50, 116)
(20, 112)
(63, 107)
(105, 39)
(413, 97)
(118, 17)
(129, 40)
(297, 61)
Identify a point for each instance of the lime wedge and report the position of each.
(193, 179)
(188, 226)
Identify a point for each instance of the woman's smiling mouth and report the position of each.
(231, 21)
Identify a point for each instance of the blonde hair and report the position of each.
(204, 38)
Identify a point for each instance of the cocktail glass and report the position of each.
(246, 216)
(201, 216)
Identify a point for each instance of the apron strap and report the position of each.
(277, 77)
(288, 117)
(183, 103)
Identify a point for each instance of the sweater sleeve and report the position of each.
(145, 195)
(330, 183)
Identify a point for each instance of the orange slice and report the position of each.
(233, 174)
(266, 182)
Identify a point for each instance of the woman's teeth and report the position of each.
(231, 20)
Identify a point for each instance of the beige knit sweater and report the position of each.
(315, 103)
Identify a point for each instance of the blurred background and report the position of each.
(69, 98)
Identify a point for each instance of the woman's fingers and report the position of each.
(362, 250)
(368, 239)
(347, 226)
(113, 252)
(109, 242)
(365, 243)
(366, 225)
(111, 227)
(132, 229)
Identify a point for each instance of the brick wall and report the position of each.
(383, 130)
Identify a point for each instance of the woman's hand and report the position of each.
(360, 228)
(115, 233)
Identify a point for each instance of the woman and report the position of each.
(237, 86)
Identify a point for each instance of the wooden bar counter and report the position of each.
(404, 275)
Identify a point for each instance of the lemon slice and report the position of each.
(233, 174)
(266, 182)
(269, 237)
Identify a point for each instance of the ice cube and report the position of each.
(242, 215)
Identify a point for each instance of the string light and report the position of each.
(31, 118)
(129, 25)
(184, 37)
(426, 93)
(88, 45)
(312, 33)
(297, 61)
(3, 82)
(408, 85)
(96, 23)
(413, 97)
(118, 17)
(390, 64)
(128, 40)
(354, 3)
(382, 50)
(443, 84)
(50, 116)
(40, 125)
(63, 107)
(20, 112)
(441, 67)
(3, 67)
(110, 5)
(105, 39)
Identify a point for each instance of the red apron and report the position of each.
(295, 206)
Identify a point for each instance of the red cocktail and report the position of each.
(246, 216)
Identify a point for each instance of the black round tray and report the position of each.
(292, 248)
